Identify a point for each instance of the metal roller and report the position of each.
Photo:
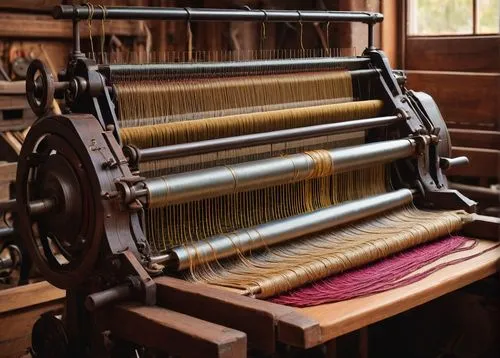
(357, 65)
(217, 181)
(213, 145)
(223, 246)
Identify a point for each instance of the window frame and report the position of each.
(406, 18)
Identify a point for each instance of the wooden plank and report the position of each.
(12, 141)
(343, 317)
(464, 53)
(16, 328)
(482, 162)
(42, 26)
(29, 4)
(256, 318)
(466, 100)
(478, 193)
(487, 227)
(12, 87)
(15, 124)
(475, 138)
(8, 173)
(13, 102)
(175, 333)
(389, 31)
(29, 295)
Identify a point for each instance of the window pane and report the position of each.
(440, 17)
(488, 13)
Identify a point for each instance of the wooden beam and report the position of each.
(29, 295)
(258, 319)
(475, 138)
(29, 4)
(13, 102)
(482, 162)
(8, 174)
(480, 194)
(15, 124)
(389, 30)
(174, 333)
(486, 227)
(462, 53)
(466, 100)
(41, 26)
(12, 87)
(20, 307)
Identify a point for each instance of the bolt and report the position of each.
(115, 263)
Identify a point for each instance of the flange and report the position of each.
(40, 89)
(55, 163)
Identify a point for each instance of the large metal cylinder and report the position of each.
(217, 181)
(271, 233)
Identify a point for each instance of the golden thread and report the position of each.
(89, 24)
(263, 34)
(167, 101)
(301, 35)
(103, 32)
(189, 41)
(280, 268)
(192, 110)
(328, 38)
(228, 126)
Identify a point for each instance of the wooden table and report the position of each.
(339, 318)
(20, 307)
(264, 323)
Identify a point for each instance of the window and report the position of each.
(453, 17)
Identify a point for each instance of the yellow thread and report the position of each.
(103, 32)
(89, 23)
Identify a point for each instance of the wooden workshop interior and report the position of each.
(257, 178)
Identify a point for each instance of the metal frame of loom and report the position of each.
(73, 169)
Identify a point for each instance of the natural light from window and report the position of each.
(453, 17)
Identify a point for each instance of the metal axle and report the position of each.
(217, 181)
(226, 245)
(81, 12)
(214, 145)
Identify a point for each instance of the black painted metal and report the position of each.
(80, 12)
(207, 146)
(6, 232)
(358, 65)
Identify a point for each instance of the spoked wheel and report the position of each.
(55, 165)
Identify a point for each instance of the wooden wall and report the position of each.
(463, 76)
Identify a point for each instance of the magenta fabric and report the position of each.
(392, 272)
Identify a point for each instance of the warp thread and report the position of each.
(390, 273)
(298, 262)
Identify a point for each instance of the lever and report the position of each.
(448, 163)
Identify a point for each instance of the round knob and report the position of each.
(40, 87)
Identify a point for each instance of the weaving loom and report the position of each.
(255, 176)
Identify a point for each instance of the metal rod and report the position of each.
(201, 14)
(41, 206)
(113, 294)
(371, 37)
(234, 68)
(226, 245)
(6, 231)
(76, 38)
(217, 181)
(8, 205)
(36, 207)
(214, 145)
